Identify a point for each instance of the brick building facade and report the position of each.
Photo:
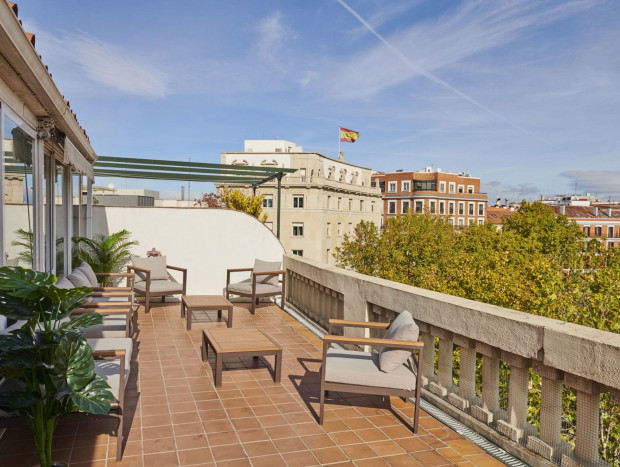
(456, 196)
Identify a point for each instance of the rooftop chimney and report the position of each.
(562, 209)
(595, 211)
(608, 212)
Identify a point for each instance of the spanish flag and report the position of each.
(349, 136)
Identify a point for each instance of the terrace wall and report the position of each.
(205, 241)
(563, 354)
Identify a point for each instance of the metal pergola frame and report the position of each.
(156, 169)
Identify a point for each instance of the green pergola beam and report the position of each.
(188, 170)
(175, 176)
(241, 168)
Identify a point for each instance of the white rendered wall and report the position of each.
(205, 241)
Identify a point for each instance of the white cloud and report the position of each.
(118, 67)
(273, 34)
(599, 182)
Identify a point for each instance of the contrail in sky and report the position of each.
(438, 80)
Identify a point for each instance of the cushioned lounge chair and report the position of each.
(154, 280)
(392, 372)
(264, 282)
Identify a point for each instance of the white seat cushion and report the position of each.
(362, 369)
(245, 288)
(112, 326)
(267, 266)
(87, 270)
(160, 286)
(155, 264)
(109, 370)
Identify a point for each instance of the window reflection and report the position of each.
(18, 150)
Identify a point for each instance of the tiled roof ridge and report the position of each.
(32, 38)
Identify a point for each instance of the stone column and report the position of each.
(516, 427)
(428, 362)
(487, 411)
(444, 373)
(549, 443)
(467, 374)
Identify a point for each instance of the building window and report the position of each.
(329, 202)
(391, 207)
(406, 186)
(298, 201)
(405, 207)
(461, 222)
(350, 227)
(586, 229)
(372, 207)
(328, 257)
(598, 231)
(442, 207)
(433, 207)
(392, 187)
(361, 205)
(268, 201)
(298, 229)
(451, 221)
(452, 187)
(339, 203)
(451, 208)
(481, 209)
(329, 229)
(480, 221)
(461, 189)
(461, 209)
(418, 206)
(298, 252)
(442, 187)
(610, 232)
(350, 204)
(339, 229)
(425, 185)
(471, 209)
(470, 189)
(472, 222)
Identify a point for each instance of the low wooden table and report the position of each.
(240, 342)
(205, 302)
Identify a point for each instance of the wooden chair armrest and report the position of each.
(239, 269)
(111, 294)
(111, 289)
(176, 268)
(102, 311)
(136, 268)
(104, 305)
(109, 353)
(393, 344)
(358, 324)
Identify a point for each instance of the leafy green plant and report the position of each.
(47, 358)
(105, 253)
(251, 204)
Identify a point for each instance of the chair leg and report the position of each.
(119, 434)
(147, 304)
(253, 307)
(163, 298)
(416, 413)
(322, 403)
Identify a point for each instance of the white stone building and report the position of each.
(325, 199)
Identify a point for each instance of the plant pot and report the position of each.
(56, 464)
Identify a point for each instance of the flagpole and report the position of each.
(338, 141)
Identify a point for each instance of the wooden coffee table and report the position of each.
(205, 302)
(240, 342)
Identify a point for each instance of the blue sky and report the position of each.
(523, 94)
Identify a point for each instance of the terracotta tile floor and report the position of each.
(175, 416)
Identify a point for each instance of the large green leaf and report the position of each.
(74, 364)
(15, 308)
(18, 400)
(24, 283)
(93, 398)
(83, 321)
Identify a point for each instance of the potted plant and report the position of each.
(47, 359)
(104, 253)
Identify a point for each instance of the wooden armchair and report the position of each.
(151, 283)
(360, 372)
(263, 283)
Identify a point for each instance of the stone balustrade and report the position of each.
(562, 354)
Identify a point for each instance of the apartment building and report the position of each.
(596, 220)
(456, 196)
(320, 203)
